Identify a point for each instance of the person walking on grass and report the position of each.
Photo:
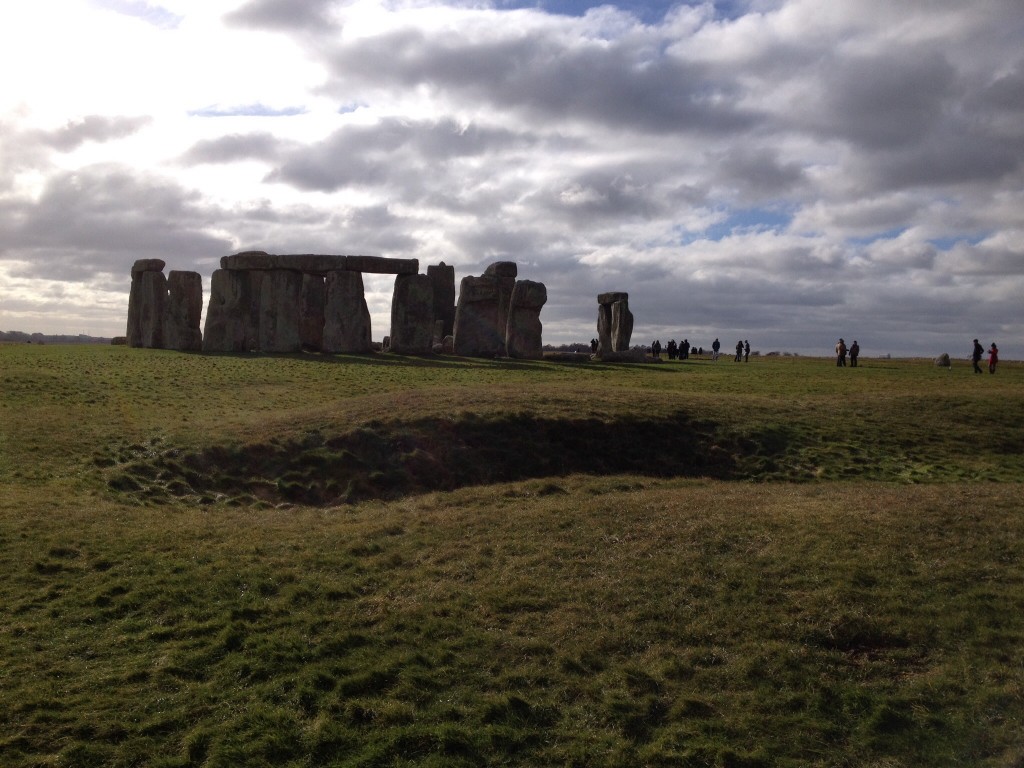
(840, 354)
(976, 356)
(993, 358)
(715, 346)
(746, 351)
(739, 351)
(854, 351)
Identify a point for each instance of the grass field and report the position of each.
(388, 561)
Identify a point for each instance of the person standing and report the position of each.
(739, 351)
(840, 354)
(993, 358)
(746, 351)
(976, 356)
(715, 346)
(854, 351)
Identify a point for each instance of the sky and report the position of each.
(784, 171)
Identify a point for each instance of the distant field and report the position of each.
(386, 561)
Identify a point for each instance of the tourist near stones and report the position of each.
(262, 302)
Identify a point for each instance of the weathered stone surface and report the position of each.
(182, 311)
(412, 315)
(311, 311)
(614, 323)
(503, 269)
(442, 277)
(261, 260)
(523, 332)
(231, 313)
(148, 265)
(382, 266)
(318, 263)
(477, 332)
(346, 318)
(612, 297)
(146, 306)
(622, 326)
(279, 300)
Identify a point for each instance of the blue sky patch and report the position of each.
(247, 110)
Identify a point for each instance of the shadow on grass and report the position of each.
(388, 460)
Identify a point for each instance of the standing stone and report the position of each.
(504, 273)
(442, 277)
(614, 322)
(412, 315)
(280, 299)
(311, 311)
(231, 313)
(146, 304)
(182, 312)
(523, 335)
(346, 317)
(476, 318)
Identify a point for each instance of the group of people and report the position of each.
(680, 351)
(979, 352)
(842, 350)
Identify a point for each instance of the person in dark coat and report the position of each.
(854, 351)
(976, 356)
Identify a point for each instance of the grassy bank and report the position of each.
(808, 567)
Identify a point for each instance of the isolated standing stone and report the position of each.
(523, 333)
(182, 311)
(412, 315)
(614, 322)
(346, 317)
(476, 318)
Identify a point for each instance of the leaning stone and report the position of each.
(346, 317)
(412, 315)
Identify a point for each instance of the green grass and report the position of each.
(770, 564)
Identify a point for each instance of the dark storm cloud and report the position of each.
(605, 83)
(101, 219)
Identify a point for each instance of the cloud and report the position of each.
(98, 128)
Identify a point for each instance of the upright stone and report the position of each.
(280, 297)
(614, 322)
(346, 316)
(412, 315)
(146, 303)
(504, 272)
(476, 318)
(523, 335)
(231, 313)
(622, 326)
(442, 277)
(311, 311)
(182, 311)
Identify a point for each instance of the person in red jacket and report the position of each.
(993, 358)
